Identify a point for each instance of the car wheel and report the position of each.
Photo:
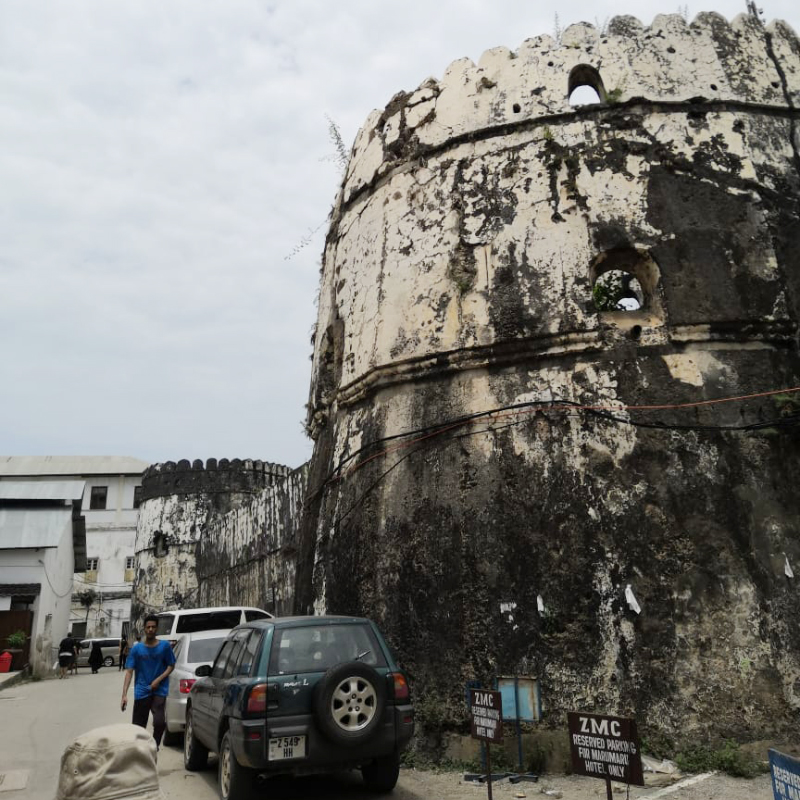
(195, 753)
(235, 781)
(350, 702)
(108, 661)
(170, 738)
(381, 774)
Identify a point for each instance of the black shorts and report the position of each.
(64, 661)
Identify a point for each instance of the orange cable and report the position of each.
(563, 407)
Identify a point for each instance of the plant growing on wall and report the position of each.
(16, 639)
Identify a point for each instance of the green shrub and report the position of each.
(729, 759)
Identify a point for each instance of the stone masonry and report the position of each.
(500, 465)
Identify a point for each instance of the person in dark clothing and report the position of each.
(123, 652)
(152, 661)
(67, 650)
(96, 658)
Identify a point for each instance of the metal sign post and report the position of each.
(486, 712)
(605, 747)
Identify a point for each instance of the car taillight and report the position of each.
(401, 691)
(186, 685)
(257, 699)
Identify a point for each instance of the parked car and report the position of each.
(300, 695)
(192, 650)
(108, 647)
(171, 624)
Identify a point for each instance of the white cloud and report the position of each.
(157, 163)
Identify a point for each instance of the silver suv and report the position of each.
(108, 647)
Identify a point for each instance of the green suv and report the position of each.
(299, 696)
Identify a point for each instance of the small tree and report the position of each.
(86, 598)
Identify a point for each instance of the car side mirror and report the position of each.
(203, 671)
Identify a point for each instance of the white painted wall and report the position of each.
(52, 568)
(110, 537)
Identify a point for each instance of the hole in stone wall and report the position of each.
(160, 544)
(585, 86)
(618, 290)
(516, 108)
(584, 96)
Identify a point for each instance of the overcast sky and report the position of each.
(158, 162)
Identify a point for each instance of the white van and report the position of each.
(171, 624)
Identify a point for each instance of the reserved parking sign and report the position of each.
(785, 772)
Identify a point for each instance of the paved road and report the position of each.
(38, 720)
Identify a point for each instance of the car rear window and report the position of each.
(208, 621)
(204, 649)
(313, 648)
(165, 624)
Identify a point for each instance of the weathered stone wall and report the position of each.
(179, 502)
(247, 557)
(475, 216)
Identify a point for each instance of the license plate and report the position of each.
(287, 747)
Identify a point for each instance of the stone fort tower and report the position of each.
(505, 469)
(173, 549)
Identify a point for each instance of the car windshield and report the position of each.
(164, 624)
(208, 621)
(313, 648)
(204, 649)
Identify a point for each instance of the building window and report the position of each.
(91, 565)
(97, 500)
(137, 496)
(90, 576)
(129, 569)
(129, 562)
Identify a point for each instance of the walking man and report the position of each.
(152, 660)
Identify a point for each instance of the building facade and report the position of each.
(101, 595)
(42, 544)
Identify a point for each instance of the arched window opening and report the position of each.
(625, 283)
(584, 96)
(618, 290)
(585, 86)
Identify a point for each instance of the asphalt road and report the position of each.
(39, 720)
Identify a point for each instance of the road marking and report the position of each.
(14, 780)
(676, 787)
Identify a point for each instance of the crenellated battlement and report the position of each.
(212, 477)
(710, 61)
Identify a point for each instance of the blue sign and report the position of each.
(520, 698)
(785, 776)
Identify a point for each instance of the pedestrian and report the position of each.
(73, 667)
(115, 761)
(66, 653)
(96, 658)
(152, 661)
(123, 652)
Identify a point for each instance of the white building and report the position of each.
(42, 543)
(101, 597)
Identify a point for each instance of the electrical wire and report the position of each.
(519, 410)
(604, 411)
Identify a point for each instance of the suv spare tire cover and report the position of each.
(349, 703)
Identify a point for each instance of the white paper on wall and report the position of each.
(631, 598)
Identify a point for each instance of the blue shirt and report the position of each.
(149, 663)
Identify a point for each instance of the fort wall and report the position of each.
(501, 463)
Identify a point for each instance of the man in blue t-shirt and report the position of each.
(153, 660)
